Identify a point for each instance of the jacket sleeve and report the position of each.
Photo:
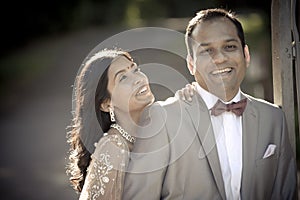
(149, 158)
(285, 186)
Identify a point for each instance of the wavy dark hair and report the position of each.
(80, 133)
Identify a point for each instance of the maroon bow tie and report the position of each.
(237, 108)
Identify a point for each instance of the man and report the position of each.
(206, 149)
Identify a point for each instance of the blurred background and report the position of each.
(42, 46)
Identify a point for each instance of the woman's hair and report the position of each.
(90, 86)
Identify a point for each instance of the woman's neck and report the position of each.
(128, 121)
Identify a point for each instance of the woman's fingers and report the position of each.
(188, 92)
(180, 94)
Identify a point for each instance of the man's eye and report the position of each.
(230, 47)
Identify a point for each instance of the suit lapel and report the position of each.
(250, 137)
(200, 117)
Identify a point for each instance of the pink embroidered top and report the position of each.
(106, 172)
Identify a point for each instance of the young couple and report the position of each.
(224, 144)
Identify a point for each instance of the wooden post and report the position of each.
(282, 62)
(296, 51)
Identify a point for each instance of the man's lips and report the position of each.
(222, 71)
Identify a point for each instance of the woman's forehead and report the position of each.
(119, 63)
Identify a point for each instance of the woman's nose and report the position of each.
(137, 80)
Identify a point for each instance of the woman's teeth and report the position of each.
(143, 90)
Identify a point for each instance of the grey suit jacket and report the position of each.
(176, 156)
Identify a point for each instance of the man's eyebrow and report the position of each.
(232, 40)
(208, 43)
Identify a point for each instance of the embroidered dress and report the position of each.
(106, 172)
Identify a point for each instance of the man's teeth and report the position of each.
(220, 71)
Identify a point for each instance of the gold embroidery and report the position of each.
(100, 170)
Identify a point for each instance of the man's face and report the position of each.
(219, 61)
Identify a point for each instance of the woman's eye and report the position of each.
(122, 77)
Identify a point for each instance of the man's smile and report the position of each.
(223, 71)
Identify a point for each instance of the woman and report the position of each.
(109, 95)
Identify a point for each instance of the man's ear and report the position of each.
(190, 64)
(247, 55)
(105, 105)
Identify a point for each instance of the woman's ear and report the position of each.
(105, 105)
(190, 64)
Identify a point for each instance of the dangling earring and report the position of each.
(112, 115)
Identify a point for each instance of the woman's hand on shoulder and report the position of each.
(186, 93)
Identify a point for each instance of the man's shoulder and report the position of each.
(169, 102)
(169, 108)
(261, 102)
(263, 105)
(175, 104)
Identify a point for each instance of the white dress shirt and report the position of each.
(228, 134)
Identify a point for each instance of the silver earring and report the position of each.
(112, 115)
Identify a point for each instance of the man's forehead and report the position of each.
(220, 28)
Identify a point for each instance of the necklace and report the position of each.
(124, 134)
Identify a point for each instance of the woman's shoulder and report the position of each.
(108, 163)
(112, 145)
(111, 139)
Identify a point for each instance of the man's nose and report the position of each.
(219, 57)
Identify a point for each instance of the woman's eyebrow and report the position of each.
(119, 72)
(122, 71)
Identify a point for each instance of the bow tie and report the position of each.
(237, 108)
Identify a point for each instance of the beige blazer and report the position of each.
(177, 157)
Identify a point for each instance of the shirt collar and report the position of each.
(210, 99)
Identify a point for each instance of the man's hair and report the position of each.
(210, 14)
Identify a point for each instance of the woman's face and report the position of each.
(128, 86)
